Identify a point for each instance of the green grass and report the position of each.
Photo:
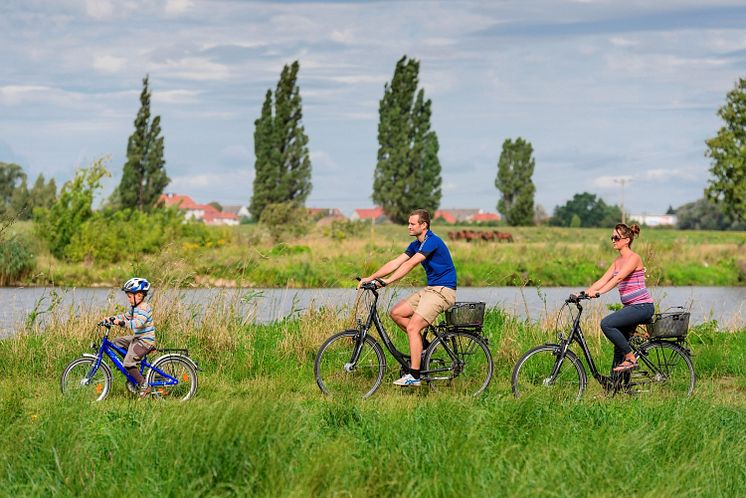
(545, 256)
(259, 426)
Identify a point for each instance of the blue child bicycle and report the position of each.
(173, 375)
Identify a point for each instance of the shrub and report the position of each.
(285, 220)
(16, 261)
(342, 229)
(111, 236)
(60, 223)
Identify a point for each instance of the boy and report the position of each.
(139, 320)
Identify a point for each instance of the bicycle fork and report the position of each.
(359, 341)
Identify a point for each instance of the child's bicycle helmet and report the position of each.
(136, 285)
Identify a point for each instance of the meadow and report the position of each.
(260, 427)
(246, 256)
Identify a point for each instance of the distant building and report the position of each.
(201, 212)
(376, 214)
(238, 210)
(465, 216)
(325, 215)
(654, 220)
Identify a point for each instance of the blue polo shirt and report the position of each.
(438, 263)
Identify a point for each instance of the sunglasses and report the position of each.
(617, 238)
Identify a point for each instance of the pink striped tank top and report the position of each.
(632, 289)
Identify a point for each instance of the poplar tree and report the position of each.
(407, 174)
(144, 174)
(282, 162)
(514, 171)
(728, 153)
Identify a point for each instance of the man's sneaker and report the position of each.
(407, 380)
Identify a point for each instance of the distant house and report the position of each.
(654, 220)
(325, 215)
(201, 212)
(375, 214)
(238, 210)
(465, 216)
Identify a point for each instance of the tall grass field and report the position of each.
(260, 427)
(246, 256)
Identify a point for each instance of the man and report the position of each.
(417, 311)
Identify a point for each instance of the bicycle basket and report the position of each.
(669, 324)
(465, 314)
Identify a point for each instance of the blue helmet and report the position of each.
(136, 285)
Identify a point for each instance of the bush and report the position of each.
(16, 261)
(342, 229)
(285, 220)
(111, 236)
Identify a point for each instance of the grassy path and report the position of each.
(259, 426)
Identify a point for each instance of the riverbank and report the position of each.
(259, 426)
(539, 256)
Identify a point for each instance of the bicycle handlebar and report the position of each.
(579, 297)
(372, 284)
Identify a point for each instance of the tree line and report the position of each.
(407, 173)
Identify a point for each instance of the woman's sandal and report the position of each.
(625, 366)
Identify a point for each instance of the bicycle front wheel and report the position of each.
(77, 381)
(533, 374)
(665, 368)
(458, 363)
(172, 377)
(336, 375)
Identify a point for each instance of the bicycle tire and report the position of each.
(336, 378)
(74, 382)
(531, 374)
(664, 368)
(178, 367)
(469, 374)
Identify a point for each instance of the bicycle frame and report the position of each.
(375, 321)
(576, 335)
(113, 352)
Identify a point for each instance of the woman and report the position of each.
(628, 273)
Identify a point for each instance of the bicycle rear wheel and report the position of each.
(75, 380)
(664, 368)
(175, 378)
(532, 374)
(336, 376)
(458, 363)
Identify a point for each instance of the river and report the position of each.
(727, 305)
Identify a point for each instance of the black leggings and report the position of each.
(618, 326)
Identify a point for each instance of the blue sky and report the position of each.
(604, 90)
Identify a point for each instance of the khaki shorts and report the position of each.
(431, 301)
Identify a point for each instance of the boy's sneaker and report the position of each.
(407, 380)
(144, 392)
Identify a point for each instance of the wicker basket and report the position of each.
(673, 324)
(465, 314)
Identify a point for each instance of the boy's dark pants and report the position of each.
(137, 349)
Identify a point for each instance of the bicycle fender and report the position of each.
(181, 356)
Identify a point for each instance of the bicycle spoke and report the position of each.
(466, 369)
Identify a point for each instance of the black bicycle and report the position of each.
(664, 362)
(455, 359)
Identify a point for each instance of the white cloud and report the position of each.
(99, 9)
(193, 68)
(175, 7)
(109, 63)
(619, 41)
(17, 94)
(174, 96)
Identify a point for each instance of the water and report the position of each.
(727, 305)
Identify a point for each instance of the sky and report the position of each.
(617, 98)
